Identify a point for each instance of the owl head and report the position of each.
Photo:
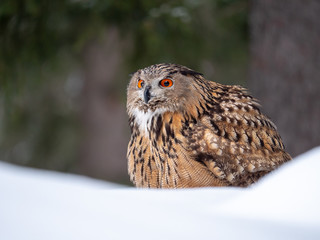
(160, 88)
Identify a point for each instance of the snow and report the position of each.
(38, 204)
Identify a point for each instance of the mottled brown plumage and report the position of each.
(191, 132)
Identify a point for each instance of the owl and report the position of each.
(188, 132)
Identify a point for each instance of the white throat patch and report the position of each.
(143, 119)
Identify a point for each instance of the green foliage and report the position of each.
(33, 32)
(41, 43)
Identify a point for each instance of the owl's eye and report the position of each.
(166, 82)
(140, 83)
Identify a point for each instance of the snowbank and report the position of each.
(37, 204)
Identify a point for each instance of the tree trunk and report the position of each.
(104, 118)
(285, 68)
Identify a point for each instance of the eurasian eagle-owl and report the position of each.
(191, 132)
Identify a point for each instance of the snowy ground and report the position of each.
(36, 204)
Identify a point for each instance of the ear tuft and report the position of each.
(190, 72)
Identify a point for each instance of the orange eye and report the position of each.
(140, 83)
(166, 82)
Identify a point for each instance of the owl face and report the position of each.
(160, 88)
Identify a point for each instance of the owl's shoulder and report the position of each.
(232, 137)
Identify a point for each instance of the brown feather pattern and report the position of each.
(199, 133)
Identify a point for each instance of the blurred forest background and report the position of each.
(65, 65)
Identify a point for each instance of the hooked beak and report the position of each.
(146, 94)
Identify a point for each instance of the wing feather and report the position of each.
(238, 144)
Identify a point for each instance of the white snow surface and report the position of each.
(38, 204)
